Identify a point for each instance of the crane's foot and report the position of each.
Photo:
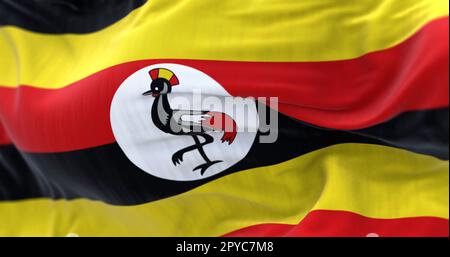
(205, 166)
(177, 157)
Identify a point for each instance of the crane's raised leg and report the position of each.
(178, 156)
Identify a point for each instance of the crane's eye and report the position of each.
(156, 88)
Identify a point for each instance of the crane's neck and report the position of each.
(161, 109)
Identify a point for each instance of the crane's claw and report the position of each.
(203, 167)
(177, 157)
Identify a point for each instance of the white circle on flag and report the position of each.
(152, 150)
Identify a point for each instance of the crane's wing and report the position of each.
(190, 118)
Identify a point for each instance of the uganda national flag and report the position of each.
(100, 134)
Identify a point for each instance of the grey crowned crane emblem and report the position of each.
(193, 123)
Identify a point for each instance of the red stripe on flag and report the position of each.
(348, 94)
(4, 139)
(342, 223)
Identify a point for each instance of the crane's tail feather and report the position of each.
(219, 121)
(228, 137)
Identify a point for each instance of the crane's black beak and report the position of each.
(150, 92)
(147, 92)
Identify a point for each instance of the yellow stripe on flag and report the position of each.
(374, 181)
(235, 30)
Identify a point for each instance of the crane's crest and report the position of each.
(164, 73)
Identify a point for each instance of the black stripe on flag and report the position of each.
(104, 173)
(65, 16)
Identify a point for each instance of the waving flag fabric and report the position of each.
(362, 112)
